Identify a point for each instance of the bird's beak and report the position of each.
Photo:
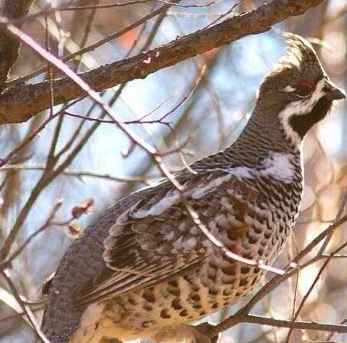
(333, 92)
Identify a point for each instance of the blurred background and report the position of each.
(200, 104)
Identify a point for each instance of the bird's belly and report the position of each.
(181, 301)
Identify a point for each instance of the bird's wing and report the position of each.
(156, 239)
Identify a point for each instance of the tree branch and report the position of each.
(20, 103)
(9, 45)
(304, 325)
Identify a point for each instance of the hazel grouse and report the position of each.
(145, 268)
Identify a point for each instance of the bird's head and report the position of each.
(297, 90)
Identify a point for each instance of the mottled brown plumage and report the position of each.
(144, 269)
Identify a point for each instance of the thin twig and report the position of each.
(93, 46)
(7, 263)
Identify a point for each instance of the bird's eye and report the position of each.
(303, 89)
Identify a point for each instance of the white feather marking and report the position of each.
(182, 226)
(178, 243)
(279, 166)
(170, 236)
(199, 192)
(190, 243)
(161, 206)
(300, 107)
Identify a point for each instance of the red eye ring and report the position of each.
(303, 88)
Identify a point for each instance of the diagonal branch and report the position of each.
(22, 102)
(282, 323)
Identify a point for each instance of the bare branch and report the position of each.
(22, 102)
(294, 324)
(30, 316)
(7, 263)
(81, 173)
(93, 46)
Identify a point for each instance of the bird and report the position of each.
(155, 262)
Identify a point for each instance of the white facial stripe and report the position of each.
(288, 89)
(300, 107)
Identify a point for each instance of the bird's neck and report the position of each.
(260, 140)
(260, 137)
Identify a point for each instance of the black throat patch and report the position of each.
(302, 123)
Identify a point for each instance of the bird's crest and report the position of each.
(300, 53)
